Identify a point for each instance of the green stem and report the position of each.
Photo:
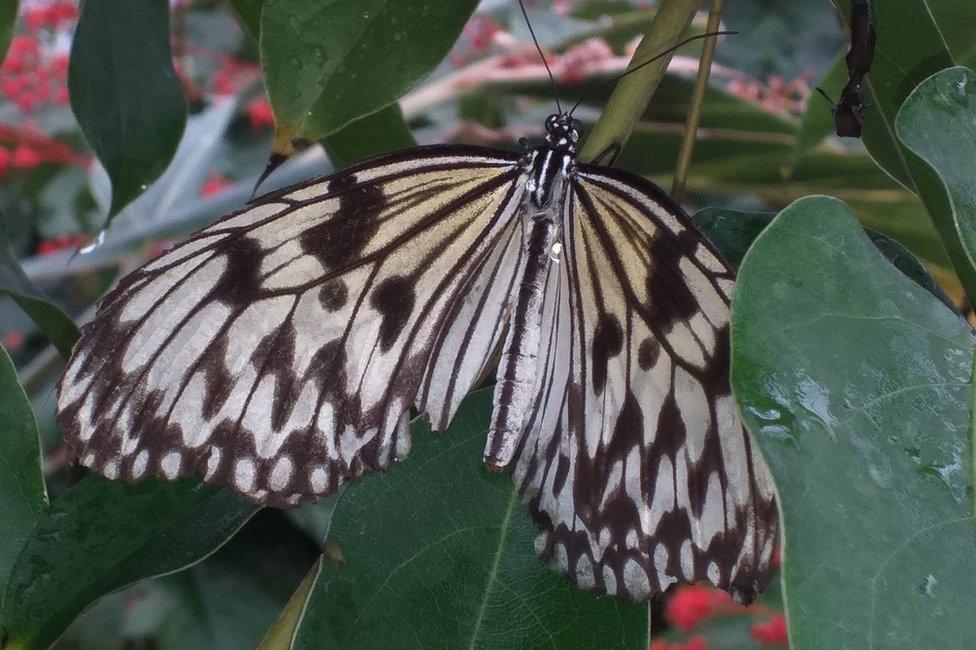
(697, 101)
(633, 92)
(281, 633)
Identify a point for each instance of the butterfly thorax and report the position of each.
(553, 162)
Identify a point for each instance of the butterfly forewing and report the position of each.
(279, 351)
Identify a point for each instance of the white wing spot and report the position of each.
(635, 580)
(280, 474)
(171, 463)
(244, 474)
(139, 464)
(319, 480)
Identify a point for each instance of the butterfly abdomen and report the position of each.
(518, 368)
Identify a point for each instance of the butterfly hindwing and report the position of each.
(280, 350)
(647, 476)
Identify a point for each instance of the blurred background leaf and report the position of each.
(56, 325)
(8, 16)
(320, 58)
(125, 93)
(22, 492)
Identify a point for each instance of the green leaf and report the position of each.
(102, 535)
(249, 13)
(225, 602)
(125, 93)
(378, 133)
(858, 386)
(938, 124)
(55, 324)
(955, 19)
(895, 70)
(8, 19)
(440, 553)
(22, 492)
(818, 119)
(733, 231)
(328, 63)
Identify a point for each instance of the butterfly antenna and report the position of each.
(654, 58)
(555, 92)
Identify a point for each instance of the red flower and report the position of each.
(25, 157)
(23, 45)
(36, 18)
(259, 114)
(694, 643)
(772, 632)
(59, 243)
(13, 339)
(62, 11)
(215, 184)
(691, 604)
(12, 86)
(4, 160)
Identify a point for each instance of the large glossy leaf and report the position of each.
(22, 492)
(125, 93)
(938, 124)
(733, 231)
(55, 324)
(328, 63)
(440, 553)
(102, 535)
(858, 386)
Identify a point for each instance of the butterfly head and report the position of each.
(561, 132)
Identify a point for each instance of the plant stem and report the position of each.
(633, 92)
(697, 101)
(281, 633)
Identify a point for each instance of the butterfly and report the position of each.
(279, 352)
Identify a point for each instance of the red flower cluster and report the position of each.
(691, 604)
(32, 75)
(13, 339)
(25, 148)
(259, 114)
(772, 632)
(59, 243)
(51, 16)
(215, 184)
(694, 643)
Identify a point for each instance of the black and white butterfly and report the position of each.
(279, 352)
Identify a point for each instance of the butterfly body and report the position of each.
(279, 352)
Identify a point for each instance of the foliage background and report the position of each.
(192, 149)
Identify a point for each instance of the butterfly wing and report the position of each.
(635, 463)
(279, 351)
